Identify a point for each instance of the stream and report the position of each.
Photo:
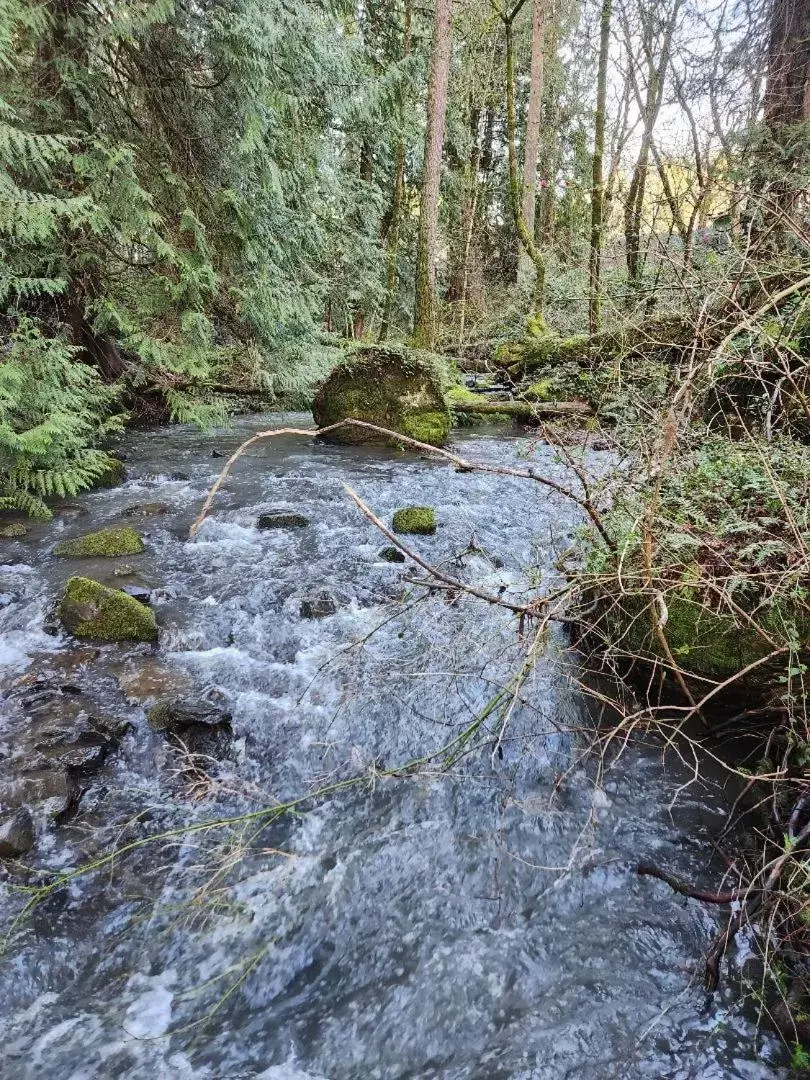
(473, 919)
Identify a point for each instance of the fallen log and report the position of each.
(525, 410)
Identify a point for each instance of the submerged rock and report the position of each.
(138, 592)
(147, 510)
(106, 543)
(281, 519)
(144, 679)
(52, 791)
(92, 611)
(12, 530)
(199, 727)
(17, 833)
(396, 388)
(415, 519)
(391, 554)
(318, 606)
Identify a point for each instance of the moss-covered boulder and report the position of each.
(91, 611)
(415, 519)
(394, 387)
(106, 543)
(705, 644)
(12, 530)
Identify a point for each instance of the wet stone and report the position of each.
(138, 592)
(17, 833)
(199, 727)
(147, 510)
(148, 680)
(281, 519)
(12, 530)
(391, 554)
(318, 606)
(53, 792)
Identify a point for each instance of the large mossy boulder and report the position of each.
(91, 611)
(706, 644)
(106, 543)
(394, 387)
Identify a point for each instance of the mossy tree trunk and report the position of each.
(396, 204)
(598, 187)
(532, 139)
(526, 237)
(424, 328)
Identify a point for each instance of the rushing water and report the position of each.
(477, 921)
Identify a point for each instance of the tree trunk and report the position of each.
(396, 204)
(787, 101)
(652, 106)
(598, 186)
(526, 238)
(424, 330)
(532, 143)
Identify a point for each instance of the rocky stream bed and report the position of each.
(476, 921)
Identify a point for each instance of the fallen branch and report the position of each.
(681, 887)
(526, 410)
(454, 583)
(584, 502)
(725, 938)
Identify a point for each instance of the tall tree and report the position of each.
(787, 101)
(424, 328)
(532, 137)
(598, 185)
(526, 238)
(397, 198)
(656, 71)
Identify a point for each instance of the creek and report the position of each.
(479, 921)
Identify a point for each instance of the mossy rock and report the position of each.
(91, 611)
(113, 474)
(420, 520)
(705, 645)
(394, 387)
(12, 530)
(106, 543)
(391, 554)
(542, 390)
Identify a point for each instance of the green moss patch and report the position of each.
(91, 611)
(394, 387)
(415, 519)
(106, 543)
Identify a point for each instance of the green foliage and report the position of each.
(54, 412)
(172, 215)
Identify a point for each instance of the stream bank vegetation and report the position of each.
(591, 218)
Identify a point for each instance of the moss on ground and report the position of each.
(94, 612)
(415, 519)
(106, 543)
(397, 388)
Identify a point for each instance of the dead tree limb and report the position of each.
(585, 501)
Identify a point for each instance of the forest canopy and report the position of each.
(209, 197)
